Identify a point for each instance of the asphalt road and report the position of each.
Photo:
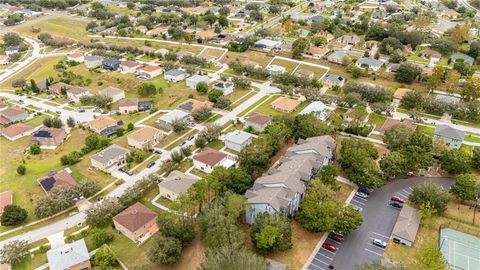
(379, 220)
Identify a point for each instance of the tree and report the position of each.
(147, 89)
(200, 142)
(348, 219)
(427, 212)
(465, 187)
(471, 90)
(271, 232)
(317, 216)
(328, 175)
(21, 169)
(455, 161)
(14, 252)
(299, 46)
(100, 214)
(171, 225)
(119, 132)
(407, 73)
(35, 149)
(233, 257)
(463, 68)
(53, 122)
(436, 78)
(202, 87)
(104, 258)
(430, 258)
(214, 95)
(378, 265)
(222, 102)
(308, 125)
(13, 215)
(476, 158)
(432, 193)
(451, 81)
(201, 114)
(70, 122)
(34, 87)
(12, 39)
(165, 250)
(459, 33)
(100, 237)
(393, 164)
(397, 136)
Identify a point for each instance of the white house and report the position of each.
(238, 139)
(129, 66)
(93, 61)
(225, 87)
(69, 256)
(175, 75)
(76, 93)
(195, 79)
(318, 108)
(114, 93)
(209, 158)
(175, 184)
(369, 63)
(75, 57)
(275, 70)
(267, 44)
(149, 72)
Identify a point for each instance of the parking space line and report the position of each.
(330, 258)
(316, 266)
(375, 246)
(321, 261)
(333, 253)
(408, 192)
(388, 237)
(403, 196)
(331, 240)
(402, 193)
(411, 189)
(357, 197)
(361, 203)
(378, 254)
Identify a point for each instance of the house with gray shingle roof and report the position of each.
(110, 158)
(175, 184)
(175, 75)
(460, 57)
(69, 256)
(369, 63)
(238, 139)
(453, 137)
(337, 56)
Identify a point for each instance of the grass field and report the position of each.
(267, 109)
(259, 57)
(70, 28)
(253, 106)
(319, 72)
(377, 120)
(153, 44)
(288, 65)
(213, 52)
(38, 71)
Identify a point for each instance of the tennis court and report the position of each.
(461, 250)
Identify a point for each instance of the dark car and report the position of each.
(396, 205)
(336, 237)
(190, 138)
(151, 164)
(396, 199)
(329, 247)
(158, 152)
(183, 143)
(364, 190)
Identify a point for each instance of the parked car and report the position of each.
(361, 194)
(58, 112)
(158, 152)
(396, 205)
(336, 237)
(410, 174)
(20, 100)
(364, 190)
(191, 138)
(130, 173)
(396, 199)
(151, 164)
(183, 143)
(329, 247)
(379, 243)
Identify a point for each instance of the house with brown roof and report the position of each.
(400, 93)
(390, 122)
(258, 121)
(209, 158)
(55, 179)
(49, 138)
(6, 198)
(316, 52)
(16, 131)
(286, 104)
(101, 123)
(13, 114)
(56, 89)
(137, 222)
(128, 105)
(114, 93)
(129, 66)
(76, 93)
(75, 57)
(149, 72)
(192, 105)
(145, 138)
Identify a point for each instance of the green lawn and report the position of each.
(427, 130)
(253, 106)
(70, 28)
(288, 65)
(267, 109)
(185, 165)
(376, 119)
(216, 144)
(417, 59)
(38, 71)
(37, 120)
(470, 138)
(319, 72)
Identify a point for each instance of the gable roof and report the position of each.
(407, 223)
(239, 136)
(144, 134)
(135, 217)
(109, 153)
(56, 179)
(210, 156)
(258, 118)
(193, 105)
(174, 72)
(6, 198)
(128, 102)
(15, 129)
(286, 104)
(111, 91)
(12, 111)
(68, 255)
(449, 132)
(172, 116)
(178, 182)
(102, 122)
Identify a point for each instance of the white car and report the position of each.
(379, 243)
(361, 194)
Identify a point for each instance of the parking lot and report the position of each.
(378, 221)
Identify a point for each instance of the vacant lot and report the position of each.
(38, 71)
(288, 65)
(213, 52)
(259, 57)
(153, 44)
(319, 72)
(70, 28)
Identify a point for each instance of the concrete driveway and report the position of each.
(378, 221)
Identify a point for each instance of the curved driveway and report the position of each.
(379, 220)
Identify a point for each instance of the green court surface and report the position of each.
(460, 250)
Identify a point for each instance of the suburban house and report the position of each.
(71, 256)
(76, 93)
(267, 44)
(128, 105)
(390, 122)
(49, 138)
(209, 158)
(316, 52)
(175, 184)
(110, 63)
(348, 39)
(129, 66)
(6, 198)
(460, 57)
(331, 80)
(144, 138)
(137, 222)
(103, 125)
(75, 57)
(195, 79)
(285, 104)
(257, 121)
(225, 87)
(12, 115)
(405, 229)
(11, 50)
(431, 54)
(55, 179)
(282, 187)
(337, 56)
(238, 139)
(318, 108)
(110, 158)
(192, 105)
(275, 69)
(114, 93)
(144, 105)
(166, 120)
(453, 137)
(149, 72)
(175, 75)
(369, 63)
(93, 61)
(56, 89)
(16, 131)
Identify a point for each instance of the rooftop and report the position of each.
(135, 217)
